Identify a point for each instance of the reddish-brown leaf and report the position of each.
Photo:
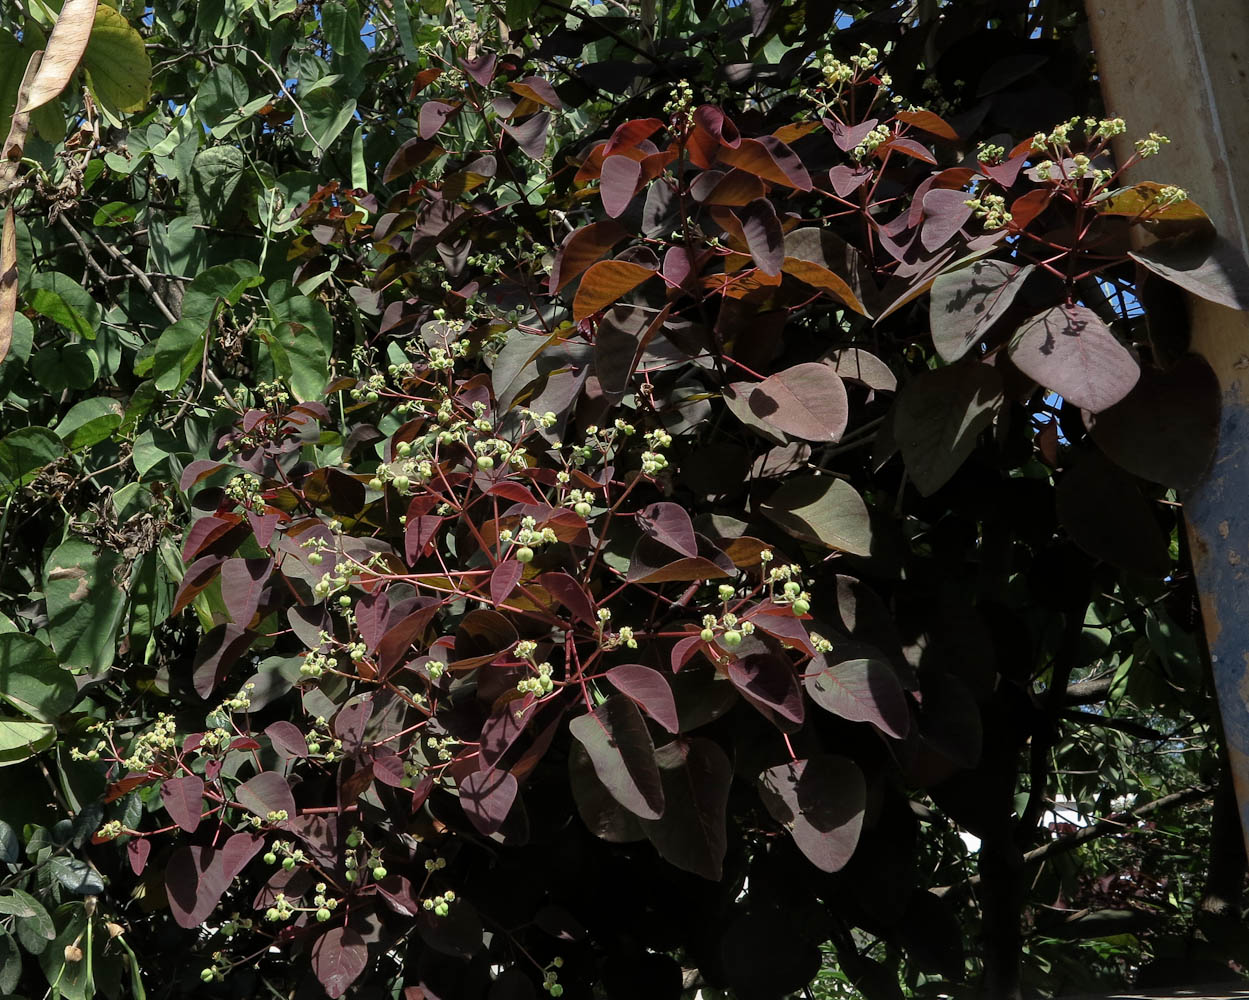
(604, 283)
(929, 122)
(582, 248)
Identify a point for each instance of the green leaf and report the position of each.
(31, 678)
(117, 64)
(76, 876)
(10, 964)
(224, 283)
(20, 740)
(307, 360)
(89, 422)
(23, 453)
(61, 299)
(221, 95)
(215, 174)
(327, 115)
(71, 366)
(84, 603)
(177, 353)
(823, 510)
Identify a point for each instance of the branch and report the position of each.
(144, 281)
(1089, 692)
(1117, 823)
(1136, 729)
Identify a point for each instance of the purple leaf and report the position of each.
(242, 583)
(650, 690)
(692, 834)
(967, 301)
(620, 748)
(137, 851)
(503, 580)
(195, 880)
(537, 89)
(502, 729)
(768, 681)
(399, 638)
(582, 248)
(183, 799)
(487, 797)
(433, 116)
(570, 593)
(481, 68)
(848, 136)
(530, 135)
(198, 576)
(945, 213)
(217, 652)
(263, 526)
(669, 523)
(338, 957)
(287, 739)
(1068, 350)
(239, 849)
(1166, 428)
(628, 135)
(846, 180)
(938, 417)
(350, 721)
(266, 793)
(856, 683)
(820, 801)
(807, 401)
(764, 237)
(196, 472)
(618, 183)
(824, 510)
(481, 637)
(409, 156)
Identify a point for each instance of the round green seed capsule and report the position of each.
(524, 554)
(315, 559)
(485, 463)
(707, 635)
(583, 509)
(801, 607)
(375, 483)
(288, 863)
(271, 858)
(207, 975)
(402, 483)
(344, 601)
(732, 638)
(379, 873)
(323, 914)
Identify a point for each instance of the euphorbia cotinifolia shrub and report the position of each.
(623, 623)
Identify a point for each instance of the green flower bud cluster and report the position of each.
(443, 747)
(435, 864)
(1170, 195)
(281, 911)
(155, 744)
(989, 153)
(579, 501)
(730, 629)
(440, 905)
(109, 830)
(435, 669)
(990, 209)
(369, 390)
(878, 135)
(550, 978)
(680, 107)
(235, 924)
(245, 490)
(290, 855)
(540, 685)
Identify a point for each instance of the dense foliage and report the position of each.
(519, 497)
